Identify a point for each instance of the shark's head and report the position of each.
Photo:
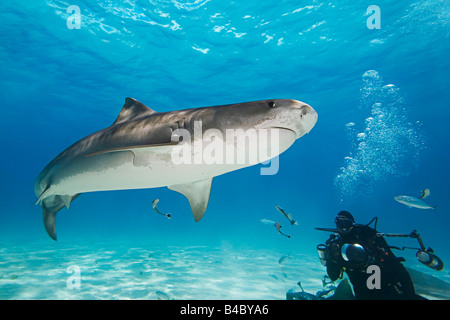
(287, 114)
(288, 119)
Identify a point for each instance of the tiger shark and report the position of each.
(140, 148)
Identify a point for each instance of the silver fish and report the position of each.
(415, 202)
(287, 215)
(267, 221)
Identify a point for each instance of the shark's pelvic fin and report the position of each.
(68, 200)
(51, 206)
(198, 195)
(132, 109)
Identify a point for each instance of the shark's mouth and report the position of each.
(268, 125)
(285, 129)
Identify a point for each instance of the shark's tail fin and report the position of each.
(51, 206)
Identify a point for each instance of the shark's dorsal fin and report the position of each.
(132, 109)
(198, 195)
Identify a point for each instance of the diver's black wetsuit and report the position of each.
(395, 281)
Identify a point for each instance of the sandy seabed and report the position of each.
(111, 271)
(123, 272)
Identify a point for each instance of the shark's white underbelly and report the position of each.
(153, 167)
(130, 176)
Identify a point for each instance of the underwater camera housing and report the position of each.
(354, 253)
(424, 255)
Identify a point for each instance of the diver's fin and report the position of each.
(198, 195)
(343, 291)
(132, 109)
(50, 206)
(425, 193)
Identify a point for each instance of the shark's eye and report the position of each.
(272, 104)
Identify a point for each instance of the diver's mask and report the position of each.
(343, 224)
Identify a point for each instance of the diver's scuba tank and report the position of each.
(323, 254)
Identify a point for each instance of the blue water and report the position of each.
(381, 95)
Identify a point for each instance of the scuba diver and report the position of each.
(352, 248)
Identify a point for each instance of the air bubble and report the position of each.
(388, 145)
(371, 75)
(369, 120)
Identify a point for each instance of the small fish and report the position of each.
(267, 221)
(287, 215)
(415, 202)
(154, 203)
(284, 258)
(278, 227)
(273, 276)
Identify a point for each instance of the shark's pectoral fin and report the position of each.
(198, 195)
(51, 206)
(140, 153)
